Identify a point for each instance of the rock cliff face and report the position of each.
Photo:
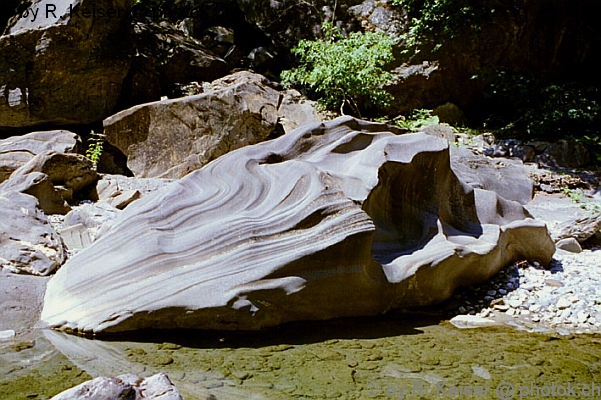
(63, 64)
(336, 219)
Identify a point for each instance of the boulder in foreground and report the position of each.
(337, 219)
(127, 386)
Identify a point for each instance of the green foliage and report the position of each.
(582, 200)
(344, 71)
(551, 111)
(443, 18)
(417, 119)
(95, 147)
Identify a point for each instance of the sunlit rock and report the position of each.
(337, 219)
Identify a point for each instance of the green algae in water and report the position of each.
(43, 383)
(351, 359)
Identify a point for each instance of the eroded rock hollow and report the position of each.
(343, 218)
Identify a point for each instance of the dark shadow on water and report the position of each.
(294, 333)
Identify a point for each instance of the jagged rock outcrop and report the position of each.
(65, 66)
(16, 151)
(28, 244)
(336, 219)
(171, 138)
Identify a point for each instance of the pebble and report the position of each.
(563, 298)
(8, 334)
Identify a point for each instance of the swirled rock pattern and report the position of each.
(336, 219)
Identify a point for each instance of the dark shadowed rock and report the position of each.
(171, 138)
(18, 150)
(565, 153)
(28, 244)
(64, 67)
(163, 57)
(280, 22)
(335, 219)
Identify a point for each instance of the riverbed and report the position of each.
(394, 356)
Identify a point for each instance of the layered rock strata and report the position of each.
(337, 219)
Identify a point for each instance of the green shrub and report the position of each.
(543, 110)
(95, 147)
(344, 71)
(417, 119)
(443, 19)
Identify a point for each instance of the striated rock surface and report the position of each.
(18, 150)
(335, 219)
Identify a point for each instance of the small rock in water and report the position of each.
(480, 372)
(471, 321)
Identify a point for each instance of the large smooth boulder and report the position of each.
(28, 244)
(170, 138)
(65, 65)
(336, 219)
(128, 386)
(16, 151)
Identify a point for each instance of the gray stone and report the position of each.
(53, 178)
(565, 153)
(76, 237)
(569, 244)
(345, 212)
(471, 321)
(508, 178)
(295, 111)
(580, 229)
(439, 130)
(124, 199)
(28, 244)
(524, 153)
(129, 386)
(16, 151)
